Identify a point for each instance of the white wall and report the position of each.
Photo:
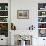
(5, 39)
(32, 6)
(23, 24)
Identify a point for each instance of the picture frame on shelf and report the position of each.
(22, 14)
(41, 6)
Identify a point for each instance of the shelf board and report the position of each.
(41, 37)
(3, 10)
(3, 16)
(3, 22)
(41, 22)
(41, 28)
(41, 10)
(42, 16)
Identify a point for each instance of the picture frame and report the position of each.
(22, 14)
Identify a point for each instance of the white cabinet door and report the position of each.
(3, 41)
(41, 41)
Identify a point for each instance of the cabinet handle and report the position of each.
(1, 39)
(43, 39)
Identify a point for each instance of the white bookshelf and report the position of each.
(3, 22)
(3, 10)
(42, 10)
(41, 28)
(41, 22)
(4, 18)
(42, 18)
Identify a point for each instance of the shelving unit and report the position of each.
(42, 19)
(41, 10)
(4, 19)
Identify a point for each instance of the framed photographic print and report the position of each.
(22, 14)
